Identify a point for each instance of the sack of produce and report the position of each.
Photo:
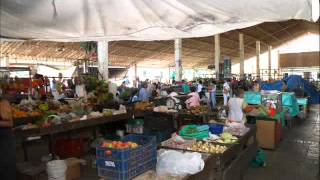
(193, 132)
(177, 163)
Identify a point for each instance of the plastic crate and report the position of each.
(159, 135)
(122, 164)
(124, 175)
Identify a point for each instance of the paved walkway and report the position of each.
(297, 156)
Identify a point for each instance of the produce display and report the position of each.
(54, 113)
(196, 110)
(227, 138)
(143, 106)
(98, 91)
(119, 145)
(207, 147)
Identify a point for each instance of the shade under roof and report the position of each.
(84, 20)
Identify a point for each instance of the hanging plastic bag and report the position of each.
(176, 163)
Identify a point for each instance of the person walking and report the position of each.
(213, 96)
(226, 92)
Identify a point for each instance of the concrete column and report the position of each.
(135, 75)
(84, 67)
(217, 54)
(269, 61)
(258, 58)
(103, 59)
(241, 48)
(178, 54)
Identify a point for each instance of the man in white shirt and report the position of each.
(200, 86)
(226, 92)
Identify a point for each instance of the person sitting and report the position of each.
(236, 105)
(194, 100)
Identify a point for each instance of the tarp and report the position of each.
(83, 20)
(294, 82)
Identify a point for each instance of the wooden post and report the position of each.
(217, 55)
(241, 48)
(103, 59)
(178, 53)
(269, 61)
(258, 58)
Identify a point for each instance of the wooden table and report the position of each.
(65, 127)
(228, 166)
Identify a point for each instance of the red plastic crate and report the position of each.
(66, 148)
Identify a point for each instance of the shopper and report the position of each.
(80, 89)
(7, 142)
(199, 87)
(236, 105)
(213, 95)
(143, 93)
(226, 92)
(194, 100)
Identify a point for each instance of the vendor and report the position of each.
(7, 143)
(284, 87)
(194, 100)
(143, 93)
(185, 87)
(236, 106)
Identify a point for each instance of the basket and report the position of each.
(123, 164)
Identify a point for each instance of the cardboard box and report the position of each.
(73, 168)
(269, 133)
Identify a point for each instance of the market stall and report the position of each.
(266, 110)
(224, 158)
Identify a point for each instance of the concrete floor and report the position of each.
(296, 158)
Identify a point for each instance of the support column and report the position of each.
(84, 67)
(269, 61)
(135, 75)
(103, 59)
(217, 54)
(178, 53)
(241, 48)
(258, 58)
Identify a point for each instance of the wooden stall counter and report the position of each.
(269, 132)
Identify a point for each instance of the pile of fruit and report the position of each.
(198, 110)
(227, 138)
(143, 106)
(208, 147)
(119, 145)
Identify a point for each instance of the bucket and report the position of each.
(56, 170)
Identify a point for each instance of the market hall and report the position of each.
(140, 89)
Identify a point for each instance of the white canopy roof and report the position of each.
(84, 20)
